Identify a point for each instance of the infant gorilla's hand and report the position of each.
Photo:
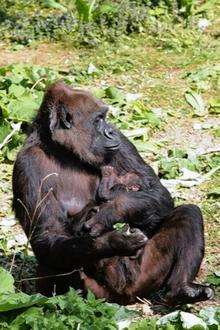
(127, 243)
(96, 226)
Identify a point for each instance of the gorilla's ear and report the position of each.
(55, 100)
(60, 117)
(65, 117)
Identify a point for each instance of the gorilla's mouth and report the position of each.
(113, 147)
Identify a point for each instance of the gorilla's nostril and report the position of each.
(95, 209)
(108, 133)
(86, 227)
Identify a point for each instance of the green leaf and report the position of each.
(5, 129)
(12, 153)
(211, 315)
(85, 9)
(196, 102)
(216, 132)
(182, 320)
(99, 93)
(143, 146)
(23, 109)
(29, 317)
(205, 6)
(124, 313)
(169, 168)
(153, 120)
(214, 106)
(147, 324)
(20, 300)
(53, 4)
(172, 317)
(214, 279)
(114, 94)
(119, 226)
(90, 296)
(215, 192)
(6, 282)
(16, 90)
(177, 153)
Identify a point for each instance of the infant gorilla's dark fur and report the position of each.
(57, 175)
(110, 186)
(111, 183)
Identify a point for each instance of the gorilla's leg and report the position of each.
(188, 253)
(171, 259)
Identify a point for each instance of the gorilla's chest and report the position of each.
(75, 191)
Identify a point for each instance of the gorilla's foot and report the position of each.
(190, 293)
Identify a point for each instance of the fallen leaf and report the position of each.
(197, 103)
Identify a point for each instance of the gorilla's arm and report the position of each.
(63, 252)
(144, 209)
(141, 209)
(46, 223)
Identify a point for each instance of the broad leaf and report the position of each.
(5, 129)
(115, 95)
(29, 317)
(182, 320)
(214, 106)
(196, 102)
(215, 192)
(20, 300)
(211, 315)
(85, 9)
(54, 4)
(214, 279)
(23, 110)
(6, 282)
(16, 90)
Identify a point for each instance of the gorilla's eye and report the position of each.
(69, 118)
(98, 119)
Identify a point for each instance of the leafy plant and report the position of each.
(70, 311)
(89, 22)
(214, 279)
(21, 92)
(19, 310)
(183, 320)
(170, 166)
(84, 9)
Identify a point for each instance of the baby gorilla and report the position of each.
(110, 186)
(111, 183)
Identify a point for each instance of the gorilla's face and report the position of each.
(77, 121)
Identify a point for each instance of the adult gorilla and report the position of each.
(57, 175)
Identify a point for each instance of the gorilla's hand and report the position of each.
(95, 227)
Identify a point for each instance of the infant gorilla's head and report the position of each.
(131, 181)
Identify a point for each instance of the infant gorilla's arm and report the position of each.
(126, 242)
(111, 186)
